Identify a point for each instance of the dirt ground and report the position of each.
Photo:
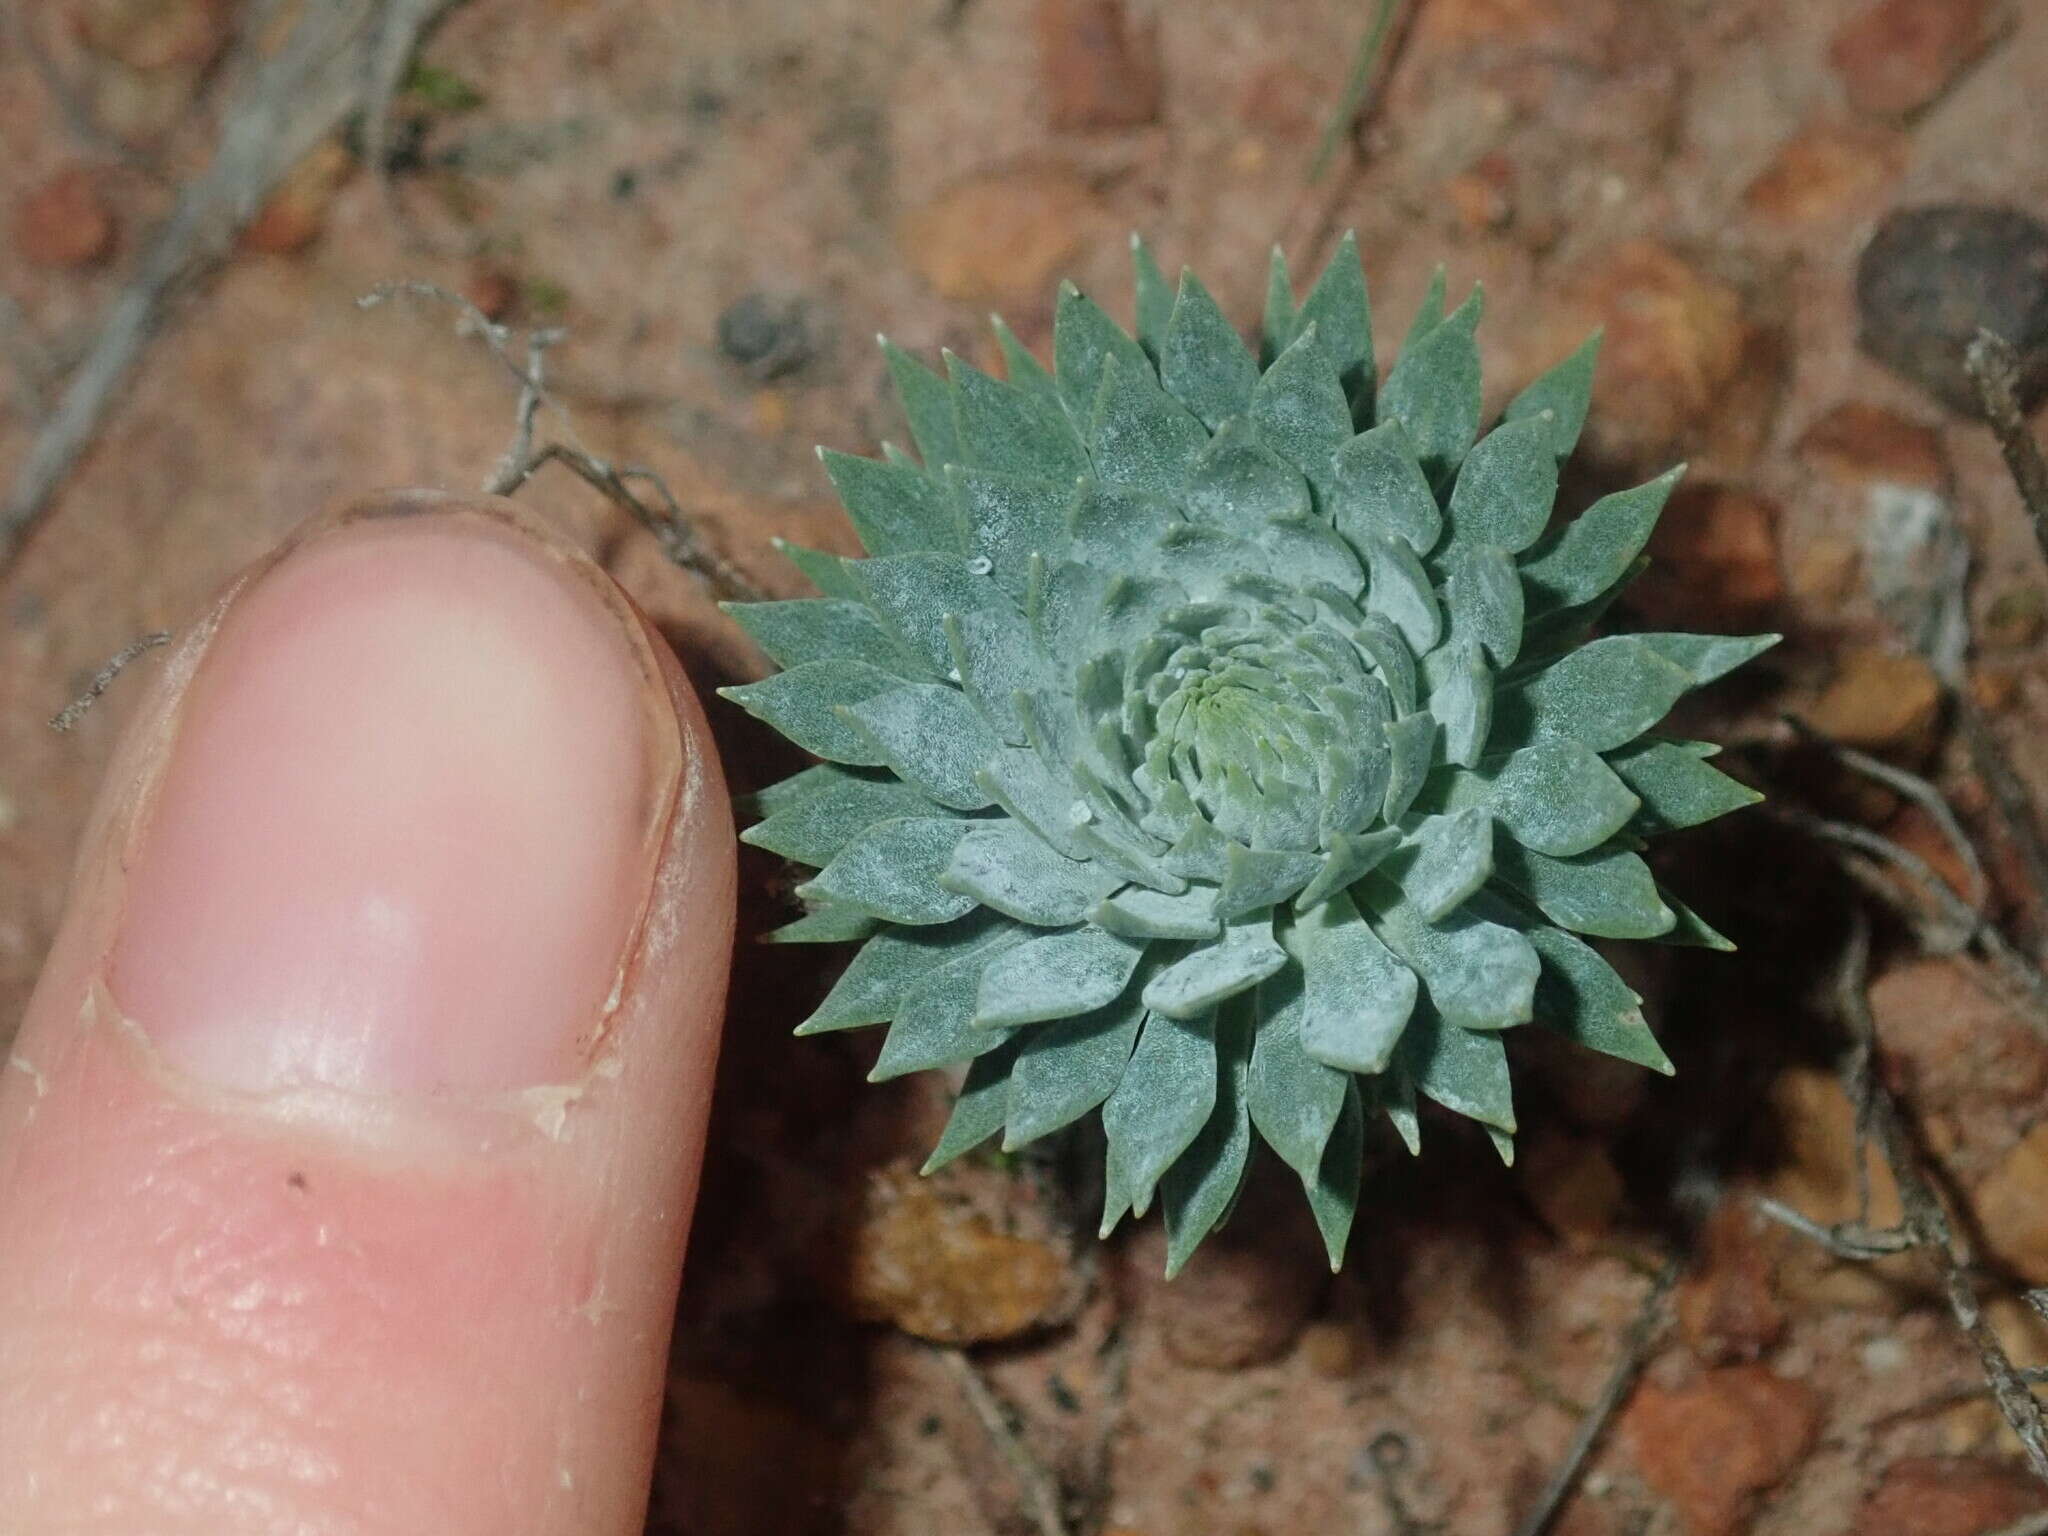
(722, 200)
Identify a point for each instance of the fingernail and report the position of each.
(408, 822)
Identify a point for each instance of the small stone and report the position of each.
(1824, 572)
(2013, 619)
(1245, 1298)
(65, 222)
(1896, 56)
(768, 335)
(1932, 277)
(1482, 197)
(2012, 1207)
(954, 1259)
(1713, 560)
(153, 34)
(1817, 1124)
(1827, 172)
(1993, 689)
(1001, 234)
(1572, 1184)
(1859, 445)
(297, 211)
(1332, 1348)
(1879, 700)
(1713, 1448)
(1728, 1308)
(1100, 69)
(1949, 1496)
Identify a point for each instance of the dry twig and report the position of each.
(1925, 1225)
(1636, 1345)
(1994, 368)
(285, 105)
(1042, 1497)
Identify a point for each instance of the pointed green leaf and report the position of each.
(1505, 487)
(1560, 398)
(928, 404)
(932, 738)
(1357, 997)
(1558, 797)
(978, 1112)
(1399, 590)
(835, 805)
(1378, 490)
(830, 574)
(1433, 390)
(1020, 367)
(1395, 1091)
(1580, 996)
(892, 870)
(1677, 788)
(890, 965)
(1294, 1100)
(1154, 299)
(1010, 518)
(803, 703)
(1463, 1070)
(1008, 867)
(1139, 435)
(1197, 1191)
(1478, 974)
(913, 594)
(1203, 362)
(1144, 914)
(1461, 698)
(934, 1026)
(1603, 695)
(821, 629)
(825, 924)
(1412, 741)
(1237, 482)
(1262, 878)
(1448, 859)
(1084, 339)
(1689, 928)
(1595, 551)
(1068, 1068)
(1609, 895)
(1299, 409)
(1484, 596)
(1339, 310)
(895, 508)
(1429, 314)
(1057, 976)
(1010, 430)
(1245, 956)
(1708, 658)
(1158, 1108)
(1333, 1191)
(1278, 328)
(1351, 856)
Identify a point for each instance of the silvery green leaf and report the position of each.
(1245, 956)
(821, 629)
(996, 655)
(1689, 928)
(1199, 853)
(1557, 797)
(1429, 314)
(1339, 310)
(1083, 340)
(1461, 698)
(1378, 490)
(1603, 695)
(1412, 742)
(1008, 519)
(890, 964)
(1068, 1068)
(825, 924)
(1464, 1070)
(1010, 868)
(1203, 362)
(1277, 326)
(1378, 638)
(1010, 430)
(1448, 859)
(1400, 591)
(1333, 1191)
(1357, 997)
(1677, 788)
(1238, 482)
(1158, 1108)
(830, 574)
(1609, 895)
(1022, 369)
(1564, 393)
(1147, 914)
(1594, 552)
(1116, 527)
(1139, 435)
(1505, 487)
(1351, 856)
(1198, 1189)
(1294, 1100)
(1018, 780)
(928, 404)
(932, 738)
(836, 803)
(895, 508)
(1154, 299)
(1708, 658)
(1263, 877)
(1580, 996)
(913, 594)
(1057, 976)
(1484, 596)
(892, 870)
(803, 704)
(935, 1024)
(1479, 974)
(979, 1110)
(1395, 1092)
(1312, 553)
(1503, 1145)
(1433, 391)
(1298, 406)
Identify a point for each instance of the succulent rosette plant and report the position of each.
(1212, 739)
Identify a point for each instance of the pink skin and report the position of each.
(348, 1149)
